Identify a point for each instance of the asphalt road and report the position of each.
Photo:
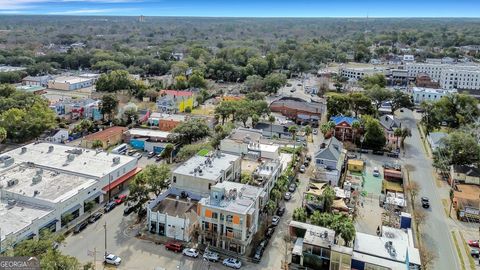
(436, 232)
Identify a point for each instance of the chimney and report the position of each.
(322, 146)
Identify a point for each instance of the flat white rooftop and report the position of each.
(143, 132)
(19, 217)
(71, 79)
(52, 185)
(379, 245)
(434, 90)
(243, 202)
(166, 116)
(88, 162)
(211, 166)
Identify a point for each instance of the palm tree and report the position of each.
(271, 119)
(327, 198)
(406, 132)
(355, 127)
(3, 134)
(308, 130)
(293, 131)
(167, 152)
(397, 133)
(327, 127)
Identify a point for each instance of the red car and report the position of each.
(174, 246)
(473, 243)
(120, 199)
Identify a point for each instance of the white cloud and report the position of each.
(26, 4)
(90, 11)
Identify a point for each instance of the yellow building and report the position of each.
(173, 101)
(356, 165)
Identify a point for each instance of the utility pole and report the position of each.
(105, 227)
(94, 257)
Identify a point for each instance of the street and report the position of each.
(435, 232)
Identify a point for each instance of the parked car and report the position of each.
(190, 252)
(94, 217)
(270, 232)
(363, 151)
(109, 206)
(131, 152)
(151, 154)
(128, 210)
(137, 155)
(174, 246)
(308, 157)
(293, 90)
(473, 243)
(302, 168)
(475, 253)
(292, 187)
(120, 198)
(211, 256)
(287, 196)
(281, 211)
(315, 132)
(232, 262)
(275, 220)
(258, 253)
(378, 152)
(376, 172)
(112, 259)
(392, 154)
(80, 227)
(158, 157)
(425, 202)
(351, 156)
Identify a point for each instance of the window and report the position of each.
(215, 215)
(229, 218)
(174, 179)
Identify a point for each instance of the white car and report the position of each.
(233, 263)
(376, 172)
(287, 196)
(275, 220)
(190, 252)
(211, 256)
(302, 168)
(112, 259)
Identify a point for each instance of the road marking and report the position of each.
(459, 252)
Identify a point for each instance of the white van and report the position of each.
(376, 172)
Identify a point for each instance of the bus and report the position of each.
(121, 149)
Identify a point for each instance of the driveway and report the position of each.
(436, 231)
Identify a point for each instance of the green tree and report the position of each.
(360, 103)
(374, 80)
(337, 104)
(271, 120)
(109, 105)
(155, 177)
(378, 95)
(115, 81)
(374, 136)
(224, 110)
(274, 81)
(168, 151)
(457, 109)
(196, 80)
(191, 130)
(246, 178)
(308, 130)
(458, 148)
(254, 83)
(181, 82)
(327, 127)
(3, 134)
(131, 116)
(401, 100)
(406, 132)
(255, 119)
(179, 68)
(327, 198)
(430, 116)
(97, 144)
(293, 130)
(271, 206)
(108, 65)
(355, 127)
(7, 90)
(299, 214)
(398, 134)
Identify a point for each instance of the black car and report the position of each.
(378, 152)
(393, 154)
(80, 227)
(270, 232)
(425, 202)
(128, 210)
(281, 211)
(109, 206)
(96, 216)
(258, 253)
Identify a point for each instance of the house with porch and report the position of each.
(389, 124)
(343, 128)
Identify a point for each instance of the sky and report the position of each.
(246, 8)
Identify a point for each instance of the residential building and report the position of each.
(59, 135)
(166, 122)
(356, 73)
(398, 76)
(465, 174)
(229, 216)
(298, 110)
(248, 142)
(329, 161)
(393, 249)
(389, 124)
(108, 137)
(424, 80)
(435, 139)
(274, 130)
(200, 173)
(173, 101)
(43, 183)
(84, 108)
(449, 76)
(36, 80)
(4, 68)
(37, 90)
(344, 130)
(470, 49)
(429, 94)
(264, 175)
(174, 214)
(466, 202)
(315, 248)
(70, 83)
(149, 140)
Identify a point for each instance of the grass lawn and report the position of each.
(203, 152)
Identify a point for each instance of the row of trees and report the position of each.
(270, 84)
(242, 110)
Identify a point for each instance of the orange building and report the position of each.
(108, 137)
(166, 122)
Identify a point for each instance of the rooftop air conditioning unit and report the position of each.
(36, 179)
(70, 157)
(50, 149)
(116, 160)
(24, 150)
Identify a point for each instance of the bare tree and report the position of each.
(426, 256)
(413, 188)
(419, 217)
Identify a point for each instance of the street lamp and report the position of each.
(362, 138)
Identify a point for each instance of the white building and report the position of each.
(358, 73)
(42, 183)
(408, 58)
(449, 76)
(70, 83)
(429, 94)
(200, 173)
(247, 142)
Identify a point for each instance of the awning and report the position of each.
(93, 196)
(50, 223)
(30, 236)
(122, 179)
(73, 209)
